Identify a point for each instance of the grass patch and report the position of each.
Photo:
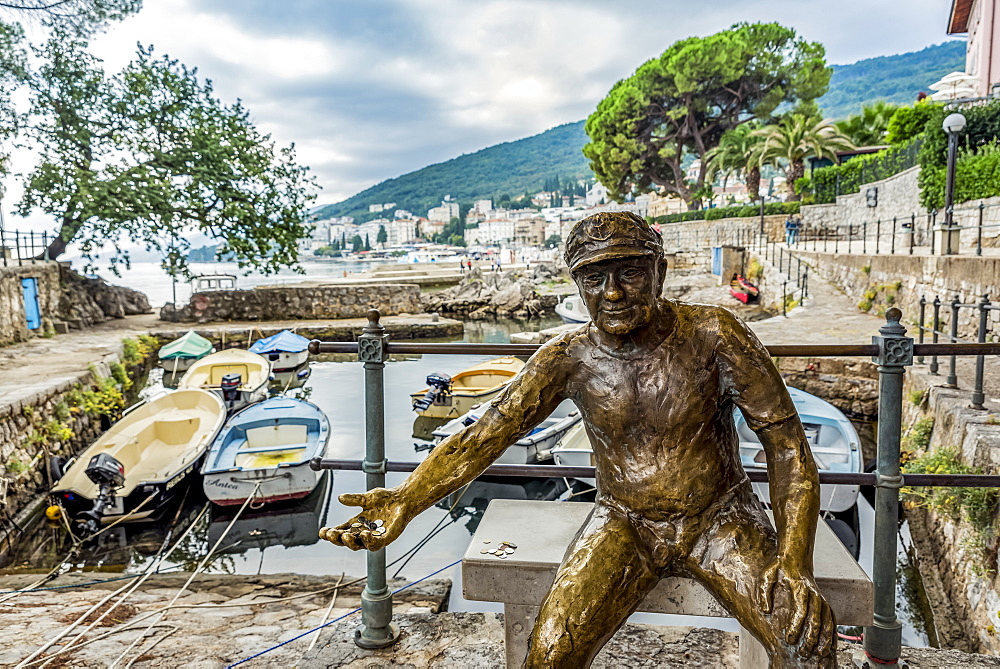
(918, 437)
(916, 397)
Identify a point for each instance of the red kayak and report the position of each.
(743, 290)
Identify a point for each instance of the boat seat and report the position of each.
(276, 447)
(281, 435)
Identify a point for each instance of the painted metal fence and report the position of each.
(891, 349)
(19, 248)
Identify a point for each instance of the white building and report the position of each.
(596, 195)
(483, 207)
(448, 210)
(491, 231)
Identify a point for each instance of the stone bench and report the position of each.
(543, 531)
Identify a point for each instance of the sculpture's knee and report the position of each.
(557, 649)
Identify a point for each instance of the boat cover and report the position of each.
(190, 345)
(285, 341)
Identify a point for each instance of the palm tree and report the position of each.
(787, 144)
(870, 127)
(738, 152)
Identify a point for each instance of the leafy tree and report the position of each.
(687, 98)
(739, 151)
(343, 240)
(150, 156)
(382, 236)
(13, 69)
(787, 144)
(553, 241)
(357, 244)
(908, 122)
(78, 17)
(456, 240)
(870, 127)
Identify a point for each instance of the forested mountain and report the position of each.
(513, 168)
(895, 79)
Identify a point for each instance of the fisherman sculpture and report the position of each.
(655, 381)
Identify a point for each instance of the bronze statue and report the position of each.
(655, 381)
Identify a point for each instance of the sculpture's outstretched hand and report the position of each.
(810, 623)
(382, 521)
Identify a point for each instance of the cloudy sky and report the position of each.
(372, 89)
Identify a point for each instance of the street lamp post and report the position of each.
(953, 125)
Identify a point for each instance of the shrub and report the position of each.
(977, 175)
(756, 270)
(865, 305)
(908, 122)
(916, 397)
(918, 437)
(739, 211)
(848, 177)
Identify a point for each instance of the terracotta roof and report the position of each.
(958, 21)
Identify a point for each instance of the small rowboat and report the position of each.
(180, 354)
(531, 449)
(146, 454)
(264, 451)
(239, 377)
(450, 397)
(285, 350)
(743, 290)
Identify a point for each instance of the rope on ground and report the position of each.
(31, 659)
(315, 629)
(326, 614)
(197, 570)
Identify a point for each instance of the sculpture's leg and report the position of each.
(729, 560)
(605, 575)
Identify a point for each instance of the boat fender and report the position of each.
(53, 512)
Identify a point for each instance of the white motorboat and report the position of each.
(573, 310)
(533, 448)
(285, 350)
(832, 438)
(263, 452)
(239, 377)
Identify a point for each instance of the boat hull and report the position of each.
(276, 485)
(572, 310)
(453, 405)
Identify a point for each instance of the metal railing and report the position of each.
(902, 234)
(891, 349)
(935, 330)
(18, 247)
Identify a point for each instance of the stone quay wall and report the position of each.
(297, 302)
(13, 317)
(901, 280)
(688, 235)
(60, 419)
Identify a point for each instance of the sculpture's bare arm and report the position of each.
(454, 462)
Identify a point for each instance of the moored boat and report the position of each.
(832, 438)
(572, 310)
(531, 449)
(452, 396)
(743, 290)
(285, 350)
(178, 356)
(290, 379)
(239, 377)
(134, 468)
(263, 453)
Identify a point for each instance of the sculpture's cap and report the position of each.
(611, 235)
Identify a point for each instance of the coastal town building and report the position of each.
(596, 194)
(980, 19)
(491, 231)
(448, 210)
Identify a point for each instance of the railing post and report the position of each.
(864, 238)
(913, 230)
(3, 247)
(979, 230)
(836, 239)
(45, 244)
(784, 298)
(935, 326)
(883, 639)
(920, 327)
(878, 234)
(892, 247)
(377, 629)
(826, 235)
(805, 283)
(930, 229)
(978, 396)
(952, 379)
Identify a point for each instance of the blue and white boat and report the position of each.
(263, 453)
(286, 350)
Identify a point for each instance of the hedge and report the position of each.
(827, 183)
(977, 175)
(743, 211)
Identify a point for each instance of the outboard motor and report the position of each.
(439, 384)
(230, 387)
(109, 475)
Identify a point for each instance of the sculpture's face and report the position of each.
(620, 294)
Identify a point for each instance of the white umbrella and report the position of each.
(957, 93)
(952, 80)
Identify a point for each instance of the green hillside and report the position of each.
(895, 79)
(513, 168)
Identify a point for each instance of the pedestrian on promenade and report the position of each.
(461, 266)
(791, 226)
(498, 265)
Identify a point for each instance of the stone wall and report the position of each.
(967, 277)
(296, 302)
(734, 231)
(898, 196)
(58, 420)
(13, 320)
